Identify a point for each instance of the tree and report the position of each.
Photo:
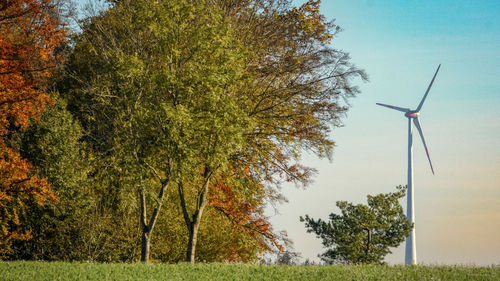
(153, 85)
(298, 92)
(29, 33)
(362, 234)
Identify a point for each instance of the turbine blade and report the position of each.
(419, 128)
(394, 107)
(426, 92)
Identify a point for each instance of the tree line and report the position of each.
(162, 129)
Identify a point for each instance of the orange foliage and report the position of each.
(245, 212)
(29, 33)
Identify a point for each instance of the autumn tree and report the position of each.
(362, 234)
(29, 34)
(299, 90)
(298, 93)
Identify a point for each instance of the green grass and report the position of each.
(99, 271)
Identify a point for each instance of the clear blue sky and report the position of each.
(400, 44)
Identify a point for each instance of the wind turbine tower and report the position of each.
(412, 115)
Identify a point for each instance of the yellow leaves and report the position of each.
(17, 188)
(312, 22)
(4, 197)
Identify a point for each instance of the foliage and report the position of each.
(52, 146)
(294, 98)
(94, 271)
(242, 201)
(153, 86)
(218, 98)
(299, 83)
(82, 225)
(29, 34)
(362, 234)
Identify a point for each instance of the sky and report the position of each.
(400, 45)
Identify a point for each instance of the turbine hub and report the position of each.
(412, 114)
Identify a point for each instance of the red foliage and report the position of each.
(29, 33)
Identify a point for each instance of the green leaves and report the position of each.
(167, 70)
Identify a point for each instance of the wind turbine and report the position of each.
(411, 250)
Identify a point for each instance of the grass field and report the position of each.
(99, 271)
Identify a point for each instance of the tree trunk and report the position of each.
(194, 224)
(147, 228)
(146, 239)
(193, 235)
(191, 247)
(368, 244)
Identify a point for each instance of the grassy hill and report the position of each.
(99, 271)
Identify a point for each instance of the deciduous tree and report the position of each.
(299, 89)
(53, 147)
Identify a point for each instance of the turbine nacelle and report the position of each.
(412, 114)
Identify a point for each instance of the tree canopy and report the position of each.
(156, 87)
(362, 234)
(183, 117)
